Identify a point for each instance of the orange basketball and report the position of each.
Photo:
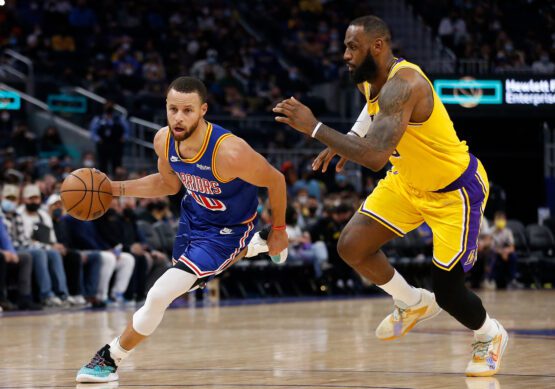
(86, 194)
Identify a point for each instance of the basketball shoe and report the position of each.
(259, 245)
(101, 368)
(404, 317)
(486, 355)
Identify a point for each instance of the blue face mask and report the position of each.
(260, 208)
(8, 206)
(57, 213)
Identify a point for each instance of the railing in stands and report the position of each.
(10, 64)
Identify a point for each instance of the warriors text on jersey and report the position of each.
(210, 199)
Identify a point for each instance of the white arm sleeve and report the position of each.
(363, 122)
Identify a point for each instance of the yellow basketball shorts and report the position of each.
(454, 213)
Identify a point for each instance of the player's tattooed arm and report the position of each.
(397, 101)
(384, 133)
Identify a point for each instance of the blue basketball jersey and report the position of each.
(210, 199)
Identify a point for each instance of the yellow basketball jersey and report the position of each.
(430, 155)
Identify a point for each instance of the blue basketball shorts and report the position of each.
(208, 250)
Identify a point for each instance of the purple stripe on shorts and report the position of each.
(476, 198)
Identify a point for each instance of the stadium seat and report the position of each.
(519, 233)
(540, 239)
(149, 234)
(166, 235)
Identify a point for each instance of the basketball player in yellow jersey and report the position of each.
(434, 179)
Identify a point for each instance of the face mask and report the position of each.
(8, 206)
(88, 163)
(302, 199)
(260, 208)
(128, 213)
(33, 207)
(159, 205)
(500, 224)
(57, 213)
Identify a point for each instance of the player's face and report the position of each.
(185, 111)
(358, 57)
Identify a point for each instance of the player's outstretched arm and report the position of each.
(360, 128)
(163, 183)
(236, 159)
(397, 101)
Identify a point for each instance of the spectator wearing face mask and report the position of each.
(82, 267)
(156, 210)
(109, 131)
(301, 248)
(40, 239)
(111, 229)
(341, 277)
(543, 65)
(23, 244)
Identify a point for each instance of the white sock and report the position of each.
(488, 330)
(117, 352)
(400, 290)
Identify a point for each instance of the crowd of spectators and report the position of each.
(510, 36)
(50, 259)
(141, 45)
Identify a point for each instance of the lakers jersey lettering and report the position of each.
(211, 199)
(429, 155)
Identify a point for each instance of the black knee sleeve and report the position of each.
(456, 299)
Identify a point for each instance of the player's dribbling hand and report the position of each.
(277, 242)
(323, 160)
(296, 114)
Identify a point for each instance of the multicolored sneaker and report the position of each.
(486, 356)
(404, 317)
(101, 368)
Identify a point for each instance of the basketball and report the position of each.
(86, 194)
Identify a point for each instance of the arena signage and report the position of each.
(67, 103)
(511, 95)
(530, 92)
(9, 100)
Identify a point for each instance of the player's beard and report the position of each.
(184, 135)
(366, 71)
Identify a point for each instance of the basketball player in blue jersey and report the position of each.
(221, 174)
(433, 179)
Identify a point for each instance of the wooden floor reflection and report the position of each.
(318, 344)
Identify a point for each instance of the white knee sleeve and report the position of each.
(172, 284)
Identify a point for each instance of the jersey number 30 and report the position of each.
(208, 203)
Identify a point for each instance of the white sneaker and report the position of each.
(404, 318)
(486, 356)
(489, 285)
(53, 301)
(256, 246)
(77, 301)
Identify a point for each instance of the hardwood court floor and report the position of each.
(317, 344)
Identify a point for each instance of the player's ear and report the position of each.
(204, 108)
(378, 46)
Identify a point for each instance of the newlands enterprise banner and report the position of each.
(496, 95)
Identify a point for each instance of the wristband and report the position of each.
(279, 228)
(316, 129)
